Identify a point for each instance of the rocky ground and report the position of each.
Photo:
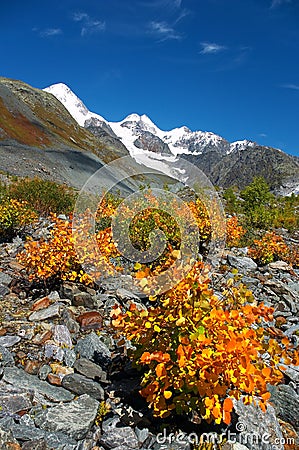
(65, 384)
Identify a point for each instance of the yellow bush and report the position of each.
(14, 216)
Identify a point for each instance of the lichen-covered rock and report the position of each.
(74, 419)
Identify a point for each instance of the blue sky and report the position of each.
(227, 66)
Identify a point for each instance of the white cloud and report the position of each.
(50, 32)
(78, 16)
(210, 47)
(295, 87)
(89, 25)
(163, 31)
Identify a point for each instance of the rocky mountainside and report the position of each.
(224, 163)
(39, 137)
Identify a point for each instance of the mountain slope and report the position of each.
(39, 137)
(224, 163)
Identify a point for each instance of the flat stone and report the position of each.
(9, 341)
(119, 437)
(15, 401)
(74, 419)
(61, 336)
(90, 369)
(79, 384)
(87, 347)
(279, 265)
(243, 264)
(286, 403)
(90, 320)
(5, 278)
(47, 313)
(19, 378)
(41, 303)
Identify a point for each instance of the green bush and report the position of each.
(43, 196)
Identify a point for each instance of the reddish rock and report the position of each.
(90, 320)
(41, 304)
(54, 379)
(41, 338)
(3, 331)
(32, 366)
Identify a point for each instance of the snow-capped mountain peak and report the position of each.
(72, 103)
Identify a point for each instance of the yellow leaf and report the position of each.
(167, 394)
(157, 328)
(137, 266)
(148, 325)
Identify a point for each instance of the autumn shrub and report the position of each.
(234, 232)
(42, 195)
(200, 350)
(271, 247)
(14, 217)
(56, 257)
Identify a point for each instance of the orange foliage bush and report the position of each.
(234, 232)
(272, 247)
(56, 257)
(200, 351)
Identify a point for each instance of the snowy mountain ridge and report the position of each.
(178, 140)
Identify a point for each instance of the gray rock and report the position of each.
(87, 347)
(19, 378)
(286, 403)
(83, 299)
(243, 264)
(119, 437)
(74, 419)
(5, 278)
(6, 437)
(38, 444)
(142, 434)
(90, 370)
(258, 430)
(69, 322)
(15, 401)
(69, 357)
(61, 336)
(44, 371)
(292, 372)
(124, 295)
(9, 341)
(3, 290)
(46, 313)
(81, 385)
(279, 265)
(6, 357)
(53, 351)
